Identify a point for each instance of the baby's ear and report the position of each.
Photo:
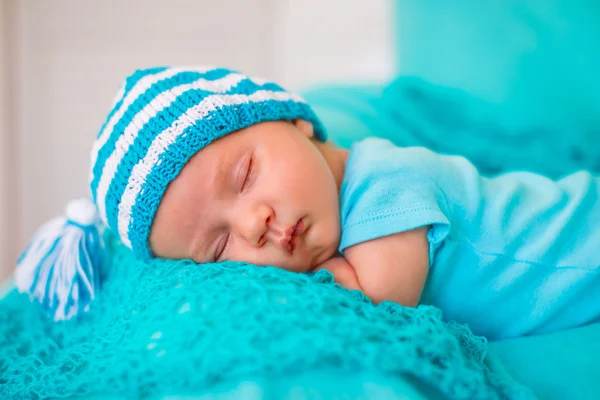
(305, 127)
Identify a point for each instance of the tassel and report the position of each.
(60, 268)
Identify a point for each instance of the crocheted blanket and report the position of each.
(174, 327)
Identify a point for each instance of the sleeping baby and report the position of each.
(211, 165)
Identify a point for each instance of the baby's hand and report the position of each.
(342, 271)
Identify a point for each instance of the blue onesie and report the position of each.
(513, 255)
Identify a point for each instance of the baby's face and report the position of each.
(267, 194)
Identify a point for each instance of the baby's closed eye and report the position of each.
(249, 173)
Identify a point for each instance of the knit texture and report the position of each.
(163, 116)
(175, 327)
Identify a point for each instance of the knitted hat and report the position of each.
(161, 117)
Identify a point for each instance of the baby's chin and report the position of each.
(302, 264)
(305, 264)
(296, 266)
(320, 258)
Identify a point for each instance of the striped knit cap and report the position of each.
(160, 119)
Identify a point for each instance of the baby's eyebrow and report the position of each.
(224, 168)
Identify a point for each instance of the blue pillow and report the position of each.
(561, 365)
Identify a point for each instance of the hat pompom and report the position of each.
(60, 268)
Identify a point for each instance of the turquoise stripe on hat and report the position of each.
(129, 83)
(193, 139)
(156, 125)
(182, 78)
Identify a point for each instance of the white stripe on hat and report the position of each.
(140, 87)
(162, 141)
(141, 118)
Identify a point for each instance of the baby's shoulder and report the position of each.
(375, 158)
(383, 174)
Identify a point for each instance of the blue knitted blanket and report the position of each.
(175, 327)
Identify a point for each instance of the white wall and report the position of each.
(71, 55)
(8, 191)
(332, 40)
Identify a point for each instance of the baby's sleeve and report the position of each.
(386, 192)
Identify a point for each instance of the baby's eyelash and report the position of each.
(249, 173)
(224, 247)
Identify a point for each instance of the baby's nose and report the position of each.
(253, 224)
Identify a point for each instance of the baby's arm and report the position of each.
(391, 267)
